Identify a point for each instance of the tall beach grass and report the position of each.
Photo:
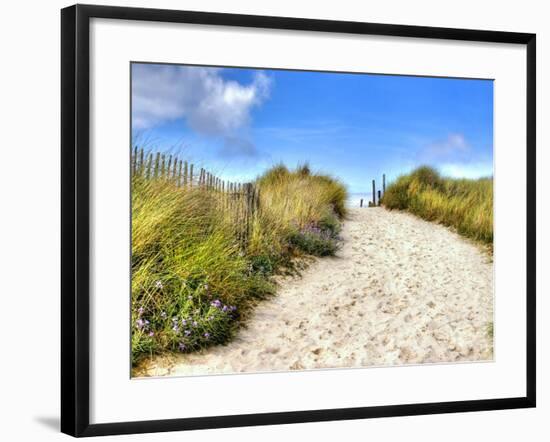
(193, 282)
(463, 204)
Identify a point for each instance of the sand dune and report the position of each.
(400, 291)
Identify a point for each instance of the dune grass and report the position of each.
(192, 281)
(463, 204)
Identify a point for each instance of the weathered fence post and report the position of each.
(141, 165)
(169, 167)
(157, 163)
(174, 171)
(134, 160)
(379, 197)
(162, 165)
(149, 166)
(248, 188)
(185, 174)
(373, 193)
(361, 203)
(191, 175)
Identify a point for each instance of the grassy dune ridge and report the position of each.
(192, 281)
(463, 204)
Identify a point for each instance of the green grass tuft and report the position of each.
(491, 330)
(192, 281)
(464, 204)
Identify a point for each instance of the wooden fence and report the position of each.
(374, 202)
(240, 201)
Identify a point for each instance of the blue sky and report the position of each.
(239, 122)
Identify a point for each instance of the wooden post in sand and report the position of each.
(361, 203)
(373, 193)
(379, 197)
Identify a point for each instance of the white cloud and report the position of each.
(455, 145)
(472, 171)
(209, 103)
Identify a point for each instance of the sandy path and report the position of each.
(400, 291)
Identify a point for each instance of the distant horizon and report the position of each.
(239, 122)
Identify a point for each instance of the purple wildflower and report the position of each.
(163, 315)
(187, 332)
(159, 285)
(175, 327)
(151, 334)
(181, 346)
(207, 335)
(140, 323)
(225, 308)
(140, 311)
(216, 303)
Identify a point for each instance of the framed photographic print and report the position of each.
(273, 220)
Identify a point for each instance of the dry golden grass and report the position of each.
(466, 205)
(192, 279)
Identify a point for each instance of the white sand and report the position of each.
(400, 291)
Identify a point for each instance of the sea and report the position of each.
(354, 199)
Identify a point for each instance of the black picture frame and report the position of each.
(75, 225)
